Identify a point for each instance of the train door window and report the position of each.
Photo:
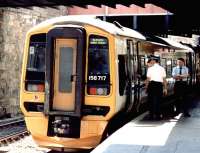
(35, 72)
(122, 74)
(129, 58)
(98, 80)
(143, 68)
(136, 61)
(133, 69)
(65, 69)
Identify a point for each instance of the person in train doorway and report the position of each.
(156, 85)
(180, 74)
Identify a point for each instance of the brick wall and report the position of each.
(14, 23)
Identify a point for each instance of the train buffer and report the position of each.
(175, 135)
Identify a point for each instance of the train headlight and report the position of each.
(35, 87)
(98, 91)
(92, 91)
(101, 91)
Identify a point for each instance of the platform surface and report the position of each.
(178, 134)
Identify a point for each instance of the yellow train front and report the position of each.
(70, 85)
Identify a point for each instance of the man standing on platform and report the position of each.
(180, 74)
(156, 79)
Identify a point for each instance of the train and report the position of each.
(81, 74)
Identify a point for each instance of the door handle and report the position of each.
(72, 77)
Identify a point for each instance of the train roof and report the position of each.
(108, 27)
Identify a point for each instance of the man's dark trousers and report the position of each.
(180, 91)
(155, 93)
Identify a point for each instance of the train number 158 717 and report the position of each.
(96, 78)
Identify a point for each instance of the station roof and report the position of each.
(173, 6)
(185, 12)
(177, 45)
(167, 43)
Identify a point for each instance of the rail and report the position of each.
(12, 130)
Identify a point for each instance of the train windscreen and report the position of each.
(35, 72)
(98, 66)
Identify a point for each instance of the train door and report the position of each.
(132, 73)
(64, 74)
(129, 64)
(136, 76)
(189, 64)
(65, 71)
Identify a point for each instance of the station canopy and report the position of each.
(185, 12)
(177, 46)
(159, 42)
(174, 6)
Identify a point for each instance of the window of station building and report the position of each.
(98, 80)
(169, 68)
(163, 62)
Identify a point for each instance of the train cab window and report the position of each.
(98, 80)
(35, 72)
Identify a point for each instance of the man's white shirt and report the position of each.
(156, 73)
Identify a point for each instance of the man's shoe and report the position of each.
(187, 115)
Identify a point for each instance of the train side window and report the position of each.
(122, 74)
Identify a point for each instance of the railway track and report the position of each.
(12, 130)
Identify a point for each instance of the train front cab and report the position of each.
(66, 103)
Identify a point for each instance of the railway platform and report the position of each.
(177, 134)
